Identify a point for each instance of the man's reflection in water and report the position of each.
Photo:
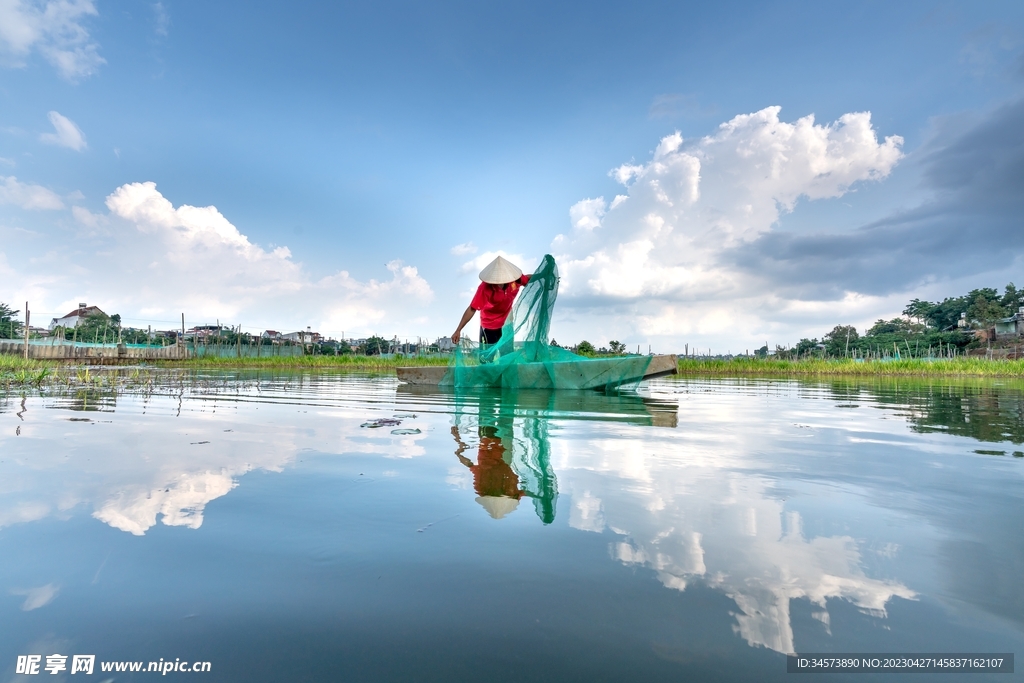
(513, 458)
(495, 482)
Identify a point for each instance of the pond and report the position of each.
(311, 527)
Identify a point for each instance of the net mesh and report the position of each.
(525, 359)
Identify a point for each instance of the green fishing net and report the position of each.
(525, 359)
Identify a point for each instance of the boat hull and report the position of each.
(589, 373)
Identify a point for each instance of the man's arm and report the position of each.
(466, 317)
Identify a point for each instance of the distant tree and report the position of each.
(919, 310)
(894, 326)
(132, 335)
(985, 307)
(1013, 299)
(944, 316)
(92, 327)
(805, 346)
(783, 352)
(840, 340)
(10, 328)
(617, 347)
(554, 343)
(585, 348)
(344, 348)
(374, 346)
(761, 352)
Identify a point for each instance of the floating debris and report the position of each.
(197, 443)
(382, 422)
(79, 419)
(404, 432)
(424, 528)
(409, 415)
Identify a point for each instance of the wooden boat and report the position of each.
(586, 373)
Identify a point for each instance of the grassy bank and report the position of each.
(347, 362)
(16, 372)
(953, 367)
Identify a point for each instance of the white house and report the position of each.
(302, 337)
(74, 317)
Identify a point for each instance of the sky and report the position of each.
(707, 175)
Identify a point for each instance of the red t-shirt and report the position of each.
(495, 301)
(492, 476)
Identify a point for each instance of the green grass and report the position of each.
(348, 362)
(953, 367)
(17, 372)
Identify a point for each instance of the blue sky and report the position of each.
(358, 136)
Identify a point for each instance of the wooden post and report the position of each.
(27, 322)
(181, 342)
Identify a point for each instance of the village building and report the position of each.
(76, 316)
(302, 337)
(1012, 326)
(203, 332)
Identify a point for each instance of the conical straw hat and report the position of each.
(499, 272)
(498, 506)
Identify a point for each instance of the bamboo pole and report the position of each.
(27, 323)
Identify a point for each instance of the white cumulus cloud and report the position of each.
(654, 256)
(587, 214)
(27, 196)
(53, 28)
(66, 133)
(149, 259)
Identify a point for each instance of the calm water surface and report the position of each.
(697, 531)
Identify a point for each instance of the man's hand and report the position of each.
(466, 317)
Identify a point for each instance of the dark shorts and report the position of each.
(489, 336)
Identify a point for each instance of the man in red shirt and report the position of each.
(500, 282)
